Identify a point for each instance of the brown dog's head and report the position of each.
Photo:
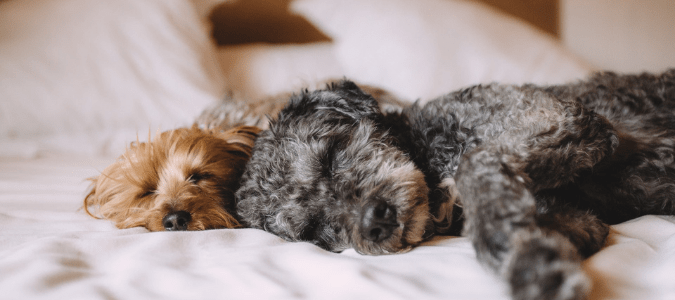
(183, 179)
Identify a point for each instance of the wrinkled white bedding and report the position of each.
(50, 250)
(81, 79)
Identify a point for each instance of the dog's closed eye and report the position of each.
(146, 194)
(198, 176)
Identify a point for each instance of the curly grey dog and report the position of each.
(533, 174)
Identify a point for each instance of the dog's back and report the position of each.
(639, 177)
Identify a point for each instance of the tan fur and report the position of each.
(187, 169)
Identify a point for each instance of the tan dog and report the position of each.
(184, 179)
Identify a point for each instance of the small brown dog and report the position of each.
(184, 179)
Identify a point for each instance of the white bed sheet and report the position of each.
(51, 250)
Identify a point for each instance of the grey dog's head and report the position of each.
(327, 172)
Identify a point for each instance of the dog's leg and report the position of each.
(546, 266)
(502, 222)
(584, 230)
(582, 141)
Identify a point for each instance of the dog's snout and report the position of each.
(177, 220)
(378, 221)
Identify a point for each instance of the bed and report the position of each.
(81, 79)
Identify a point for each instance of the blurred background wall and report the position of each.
(620, 35)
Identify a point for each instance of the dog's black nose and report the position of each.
(177, 220)
(378, 221)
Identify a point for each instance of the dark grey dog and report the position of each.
(534, 174)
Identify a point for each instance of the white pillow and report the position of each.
(424, 48)
(87, 76)
(256, 71)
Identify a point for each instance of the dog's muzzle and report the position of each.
(176, 221)
(378, 221)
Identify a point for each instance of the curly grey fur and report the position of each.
(232, 111)
(534, 174)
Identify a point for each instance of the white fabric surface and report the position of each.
(82, 78)
(51, 250)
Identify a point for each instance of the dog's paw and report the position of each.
(547, 268)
